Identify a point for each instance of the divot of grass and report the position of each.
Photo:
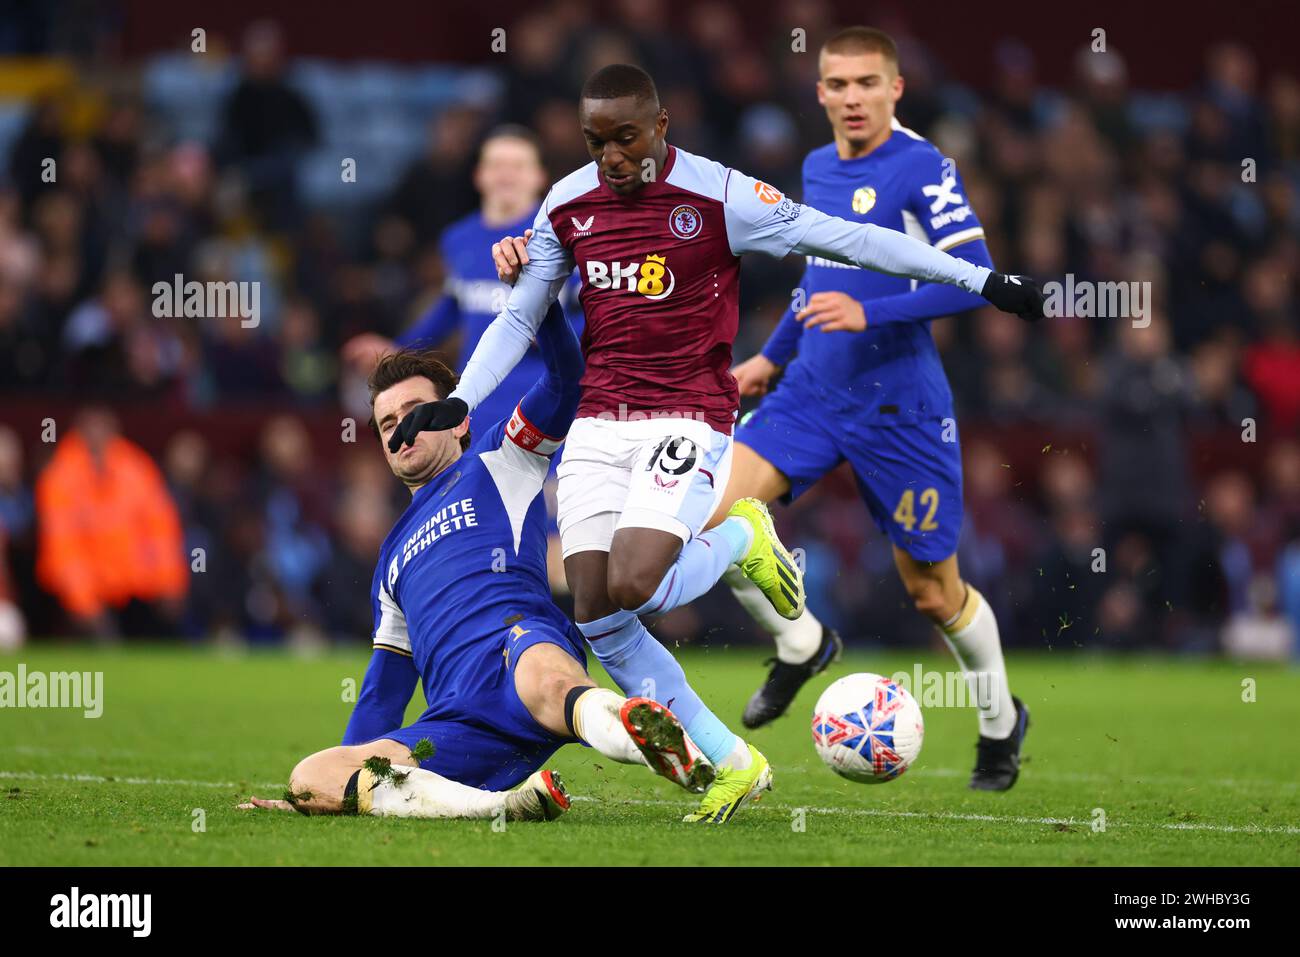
(423, 750)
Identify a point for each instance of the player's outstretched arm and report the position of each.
(929, 301)
(895, 253)
(932, 300)
(507, 339)
(385, 692)
(760, 219)
(503, 343)
(552, 403)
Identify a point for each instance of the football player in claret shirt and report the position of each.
(462, 605)
(656, 233)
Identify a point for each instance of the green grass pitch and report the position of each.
(1185, 772)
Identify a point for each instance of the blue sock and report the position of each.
(641, 666)
(699, 565)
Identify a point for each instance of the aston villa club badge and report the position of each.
(684, 221)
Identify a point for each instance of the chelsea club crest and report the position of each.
(863, 199)
(684, 221)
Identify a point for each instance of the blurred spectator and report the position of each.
(1230, 506)
(1222, 400)
(535, 71)
(1231, 87)
(266, 126)
(113, 346)
(24, 352)
(16, 521)
(365, 516)
(1068, 586)
(17, 510)
(41, 140)
(1144, 474)
(294, 499)
(307, 367)
(110, 545)
(437, 187)
(1271, 365)
(198, 494)
(13, 624)
(1260, 631)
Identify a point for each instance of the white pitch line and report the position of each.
(1069, 821)
(100, 779)
(856, 812)
(30, 749)
(1168, 780)
(1084, 777)
(986, 818)
(1040, 774)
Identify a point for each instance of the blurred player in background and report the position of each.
(657, 233)
(461, 605)
(868, 386)
(511, 179)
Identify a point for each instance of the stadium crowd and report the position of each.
(1126, 486)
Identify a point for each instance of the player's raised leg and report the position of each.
(562, 698)
(637, 661)
(382, 778)
(659, 559)
(804, 646)
(631, 493)
(970, 630)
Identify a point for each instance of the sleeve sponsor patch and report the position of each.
(767, 194)
(789, 210)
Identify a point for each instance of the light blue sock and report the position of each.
(641, 666)
(699, 565)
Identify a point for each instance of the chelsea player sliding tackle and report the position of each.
(657, 234)
(462, 604)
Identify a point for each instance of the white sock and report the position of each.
(796, 641)
(415, 792)
(972, 636)
(739, 758)
(596, 720)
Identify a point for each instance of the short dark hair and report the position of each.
(405, 364)
(863, 40)
(619, 80)
(512, 131)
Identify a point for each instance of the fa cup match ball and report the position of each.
(867, 728)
